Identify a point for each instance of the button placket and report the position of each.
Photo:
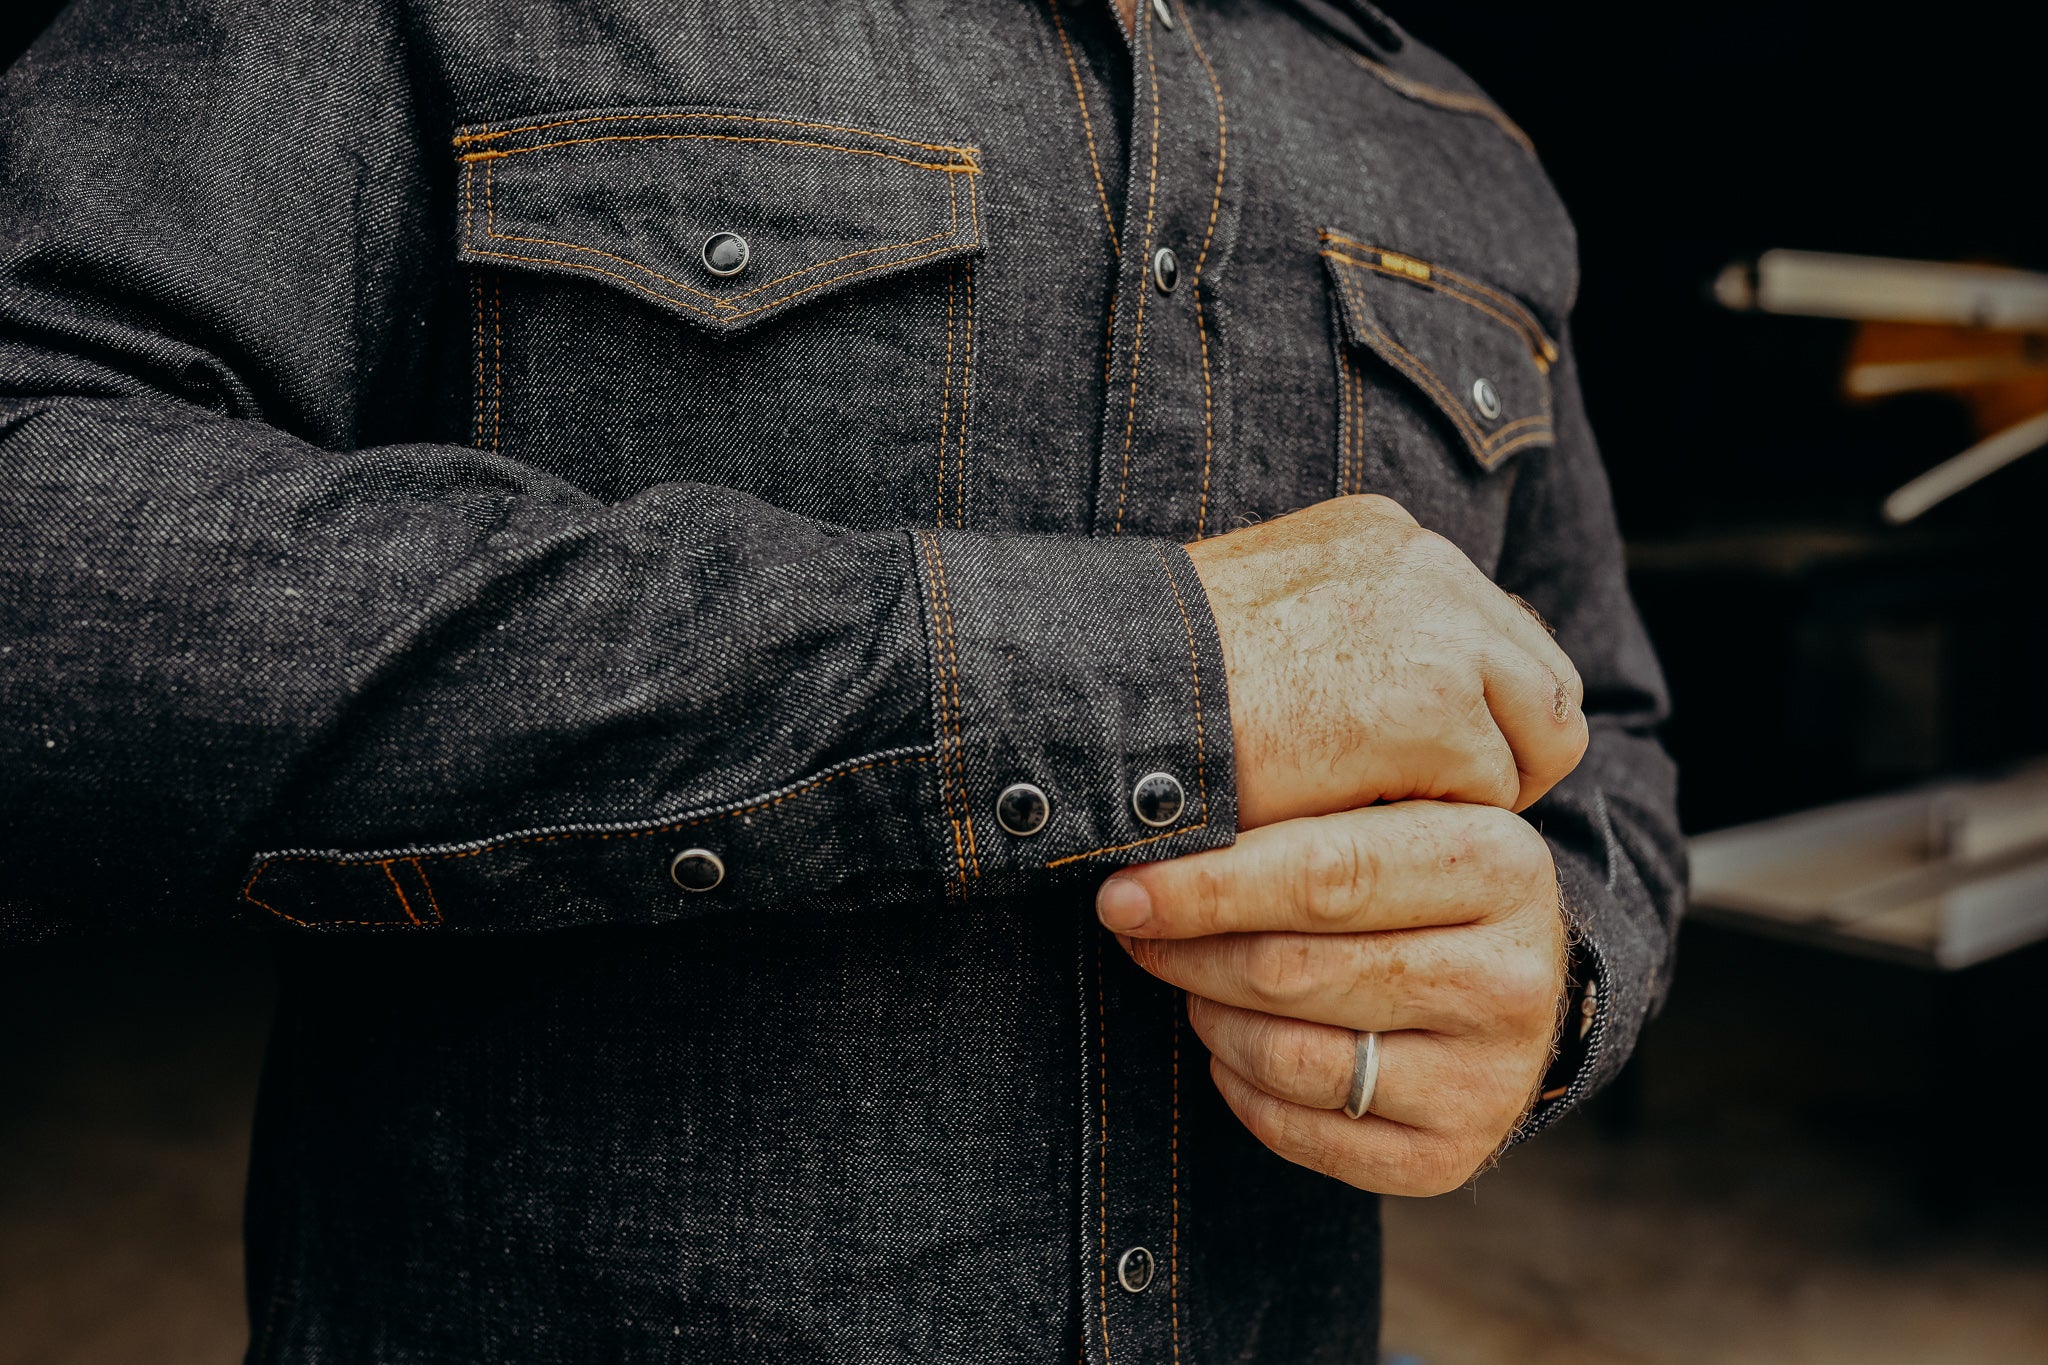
(1156, 448)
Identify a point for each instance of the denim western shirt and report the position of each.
(475, 475)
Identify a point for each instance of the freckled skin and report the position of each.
(1391, 708)
(1368, 660)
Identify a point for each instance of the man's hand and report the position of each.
(1370, 660)
(1435, 925)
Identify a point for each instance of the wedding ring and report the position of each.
(1365, 1075)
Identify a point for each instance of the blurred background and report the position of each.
(1825, 1150)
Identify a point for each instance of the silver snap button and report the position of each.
(1165, 15)
(1022, 809)
(1165, 269)
(1486, 398)
(697, 869)
(1158, 799)
(1134, 1269)
(726, 253)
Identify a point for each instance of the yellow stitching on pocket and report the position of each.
(965, 167)
(483, 134)
(1540, 346)
(1450, 281)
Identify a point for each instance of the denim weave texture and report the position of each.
(409, 546)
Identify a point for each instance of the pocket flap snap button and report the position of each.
(726, 253)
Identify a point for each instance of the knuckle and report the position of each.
(1295, 1060)
(1279, 969)
(1440, 1162)
(1330, 875)
(1515, 850)
(1376, 505)
(1526, 992)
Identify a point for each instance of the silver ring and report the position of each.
(1365, 1075)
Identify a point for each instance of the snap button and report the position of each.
(1158, 799)
(1485, 398)
(726, 253)
(1165, 15)
(1022, 809)
(1134, 1269)
(697, 869)
(1165, 269)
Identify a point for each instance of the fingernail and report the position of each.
(1123, 904)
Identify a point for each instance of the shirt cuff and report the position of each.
(1081, 719)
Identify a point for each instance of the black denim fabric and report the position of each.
(410, 545)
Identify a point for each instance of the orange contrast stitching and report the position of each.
(1138, 332)
(943, 727)
(483, 134)
(1412, 366)
(1201, 757)
(1453, 100)
(722, 317)
(1087, 126)
(953, 192)
(1208, 235)
(1450, 282)
(965, 166)
(952, 641)
(803, 789)
(399, 891)
(433, 901)
(491, 231)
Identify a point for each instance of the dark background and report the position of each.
(1814, 653)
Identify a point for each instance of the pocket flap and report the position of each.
(1474, 352)
(632, 197)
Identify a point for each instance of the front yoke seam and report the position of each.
(1455, 101)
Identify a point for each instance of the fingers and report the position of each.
(1425, 1081)
(1373, 1153)
(1542, 719)
(1410, 865)
(1537, 699)
(1436, 979)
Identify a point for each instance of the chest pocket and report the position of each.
(1429, 358)
(770, 303)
